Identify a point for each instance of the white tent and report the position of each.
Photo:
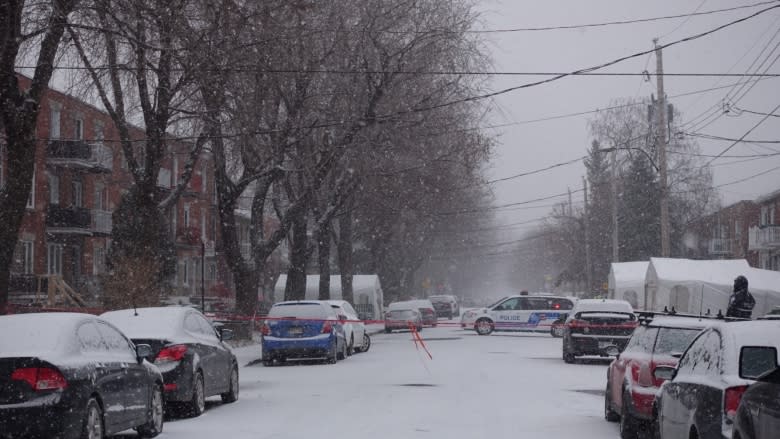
(366, 290)
(627, 282)
(695, 286)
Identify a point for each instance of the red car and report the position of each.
(631, 385)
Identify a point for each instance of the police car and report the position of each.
(517, 313)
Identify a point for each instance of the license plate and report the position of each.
(605, 344)
(295, 331)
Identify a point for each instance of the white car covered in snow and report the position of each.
(517, 313)
(355, 330)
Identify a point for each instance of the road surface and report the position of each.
(503, 385)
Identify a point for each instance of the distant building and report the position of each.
(765, 235)
(724, 234)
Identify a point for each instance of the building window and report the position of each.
(100, 132)
(101, 197)
(78, 193)
(186, 215)
(175, 172)
(54, 259)
(211, 273)
(23, 257)
(185, 272)
(204, 178)
(203, 225)
(78, 130)
(99, 260)
(737, 230)
(31, 197)
(54, 121)
(174, 214)
(54, 188)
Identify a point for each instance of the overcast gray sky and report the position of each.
(529, 146)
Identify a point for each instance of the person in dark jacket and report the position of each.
(741, 302)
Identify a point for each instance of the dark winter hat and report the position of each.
(740, 283)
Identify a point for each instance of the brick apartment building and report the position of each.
(725, 233)
(78, 181)
(765, 235)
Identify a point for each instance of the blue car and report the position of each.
(303, 330)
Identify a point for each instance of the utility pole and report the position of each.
(615, 227)
(660, 142)
(586, 226)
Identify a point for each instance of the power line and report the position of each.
(727, 139)
(537, 171)
(684, 22)
(741, 139)
(623, 22)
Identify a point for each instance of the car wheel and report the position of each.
(197, 405)
(342, 354)
(93, 424)
(351, 347)
(609, 413)
(333, 357)
(232, 394)
(388, 330)
(484, 326)
(628, 423)
(155, 425)
(366, 343)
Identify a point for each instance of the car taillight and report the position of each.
(265, 330)
(327, 328)
(172, 353)
(731, 401)
(40, 378)
(577, 323)
(635, 369)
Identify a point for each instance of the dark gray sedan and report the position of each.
(701, 397)
(190, 352)
(758, 415)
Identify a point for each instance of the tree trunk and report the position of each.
(323, 254)
(296, 274)
(345, 256)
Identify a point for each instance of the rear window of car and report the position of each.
(674, 340)
(299, 311)
(405, 313)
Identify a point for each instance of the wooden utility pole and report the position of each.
(586, 226)
(615, 225)
(660, 142)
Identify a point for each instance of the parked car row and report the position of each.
(312, 329)
(70, 375)
(698, 378)
(446, 306)
(517, 313)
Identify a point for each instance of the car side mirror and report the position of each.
(665, 373)
(226, 334)
(144, 352)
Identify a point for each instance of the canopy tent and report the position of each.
(627, 282)
(366, 289)
(701, 286)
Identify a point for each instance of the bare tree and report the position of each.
(38, 27)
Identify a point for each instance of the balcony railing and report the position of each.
(764, 237)
(74, 219)
(102, 222)
(80, 155)
(721, 246)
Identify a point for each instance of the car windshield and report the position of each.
(674, 340)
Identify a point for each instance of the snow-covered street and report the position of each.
(512, 385)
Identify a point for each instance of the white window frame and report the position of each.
(27, 255)
(55, 121)
(78, 193)
(31, 197)
(54, 259)
(54, 187)
(78, 128)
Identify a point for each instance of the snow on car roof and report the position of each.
(682, 322)
(156, 323)
(603, 305)
(38, 334)
(753, 332)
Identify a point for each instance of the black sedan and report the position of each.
(191, 354)
(758, 415)
(66, 375)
